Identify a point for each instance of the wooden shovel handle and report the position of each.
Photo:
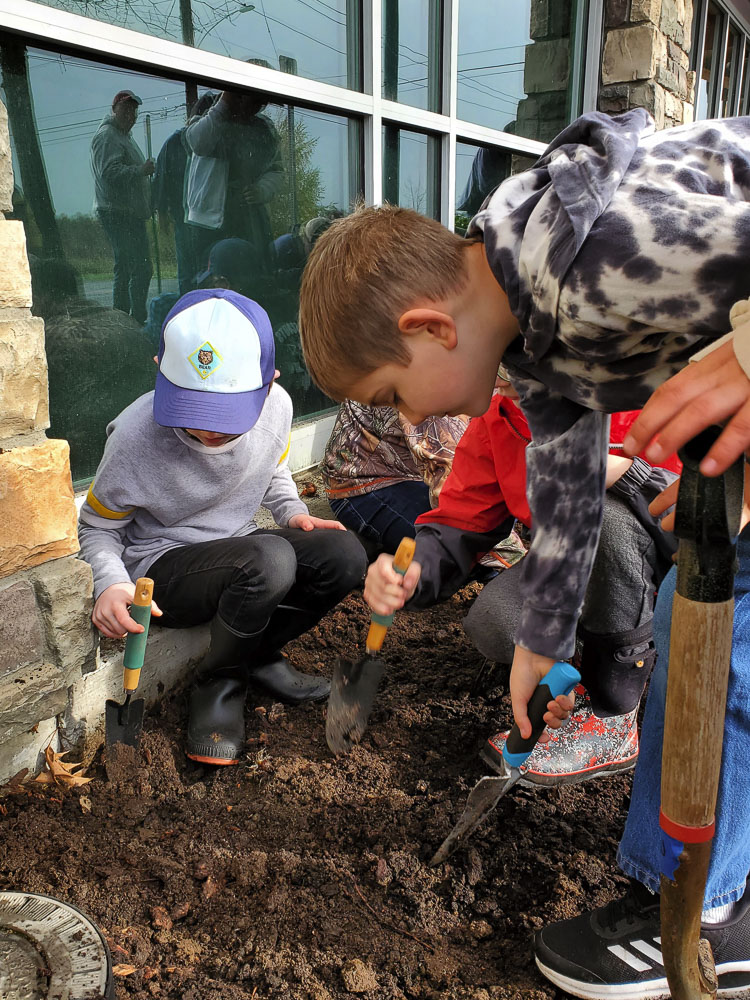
(380, 624)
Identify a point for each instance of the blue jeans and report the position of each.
(384, 516)
(639, 854)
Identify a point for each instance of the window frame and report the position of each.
(731, 20)
(82, 36)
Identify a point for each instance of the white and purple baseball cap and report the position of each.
(216, 363)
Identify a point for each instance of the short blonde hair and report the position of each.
(364, 272)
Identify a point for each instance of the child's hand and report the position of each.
(666, 499)
(527, 670)
(386, 590)
(308, 523)
(110, 613)
(706, 392)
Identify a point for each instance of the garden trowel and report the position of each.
(355, 685)
(488, 791)
(124, 722)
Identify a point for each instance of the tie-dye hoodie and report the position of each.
(621, 251)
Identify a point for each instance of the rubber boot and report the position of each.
(272, 673)
(614, 668)
(216, 725)
(278, 678)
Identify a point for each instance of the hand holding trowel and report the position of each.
(355, 685)
(488, 791)
(124, 722)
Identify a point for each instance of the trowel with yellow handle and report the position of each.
(124, 722)
(355, 685)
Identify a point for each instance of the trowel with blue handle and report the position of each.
(488, 791)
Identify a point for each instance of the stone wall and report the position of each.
(645, 59)
(46, 638)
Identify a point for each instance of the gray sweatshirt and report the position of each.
(116, 162)
(157, 488)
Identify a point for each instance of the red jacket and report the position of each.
(486, 491)
(487, 483)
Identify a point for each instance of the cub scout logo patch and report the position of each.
(205, 360)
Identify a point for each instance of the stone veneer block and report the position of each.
(37, 509)
(632, 54)
(21, 636)
(65, 596)
(6, 164)
(23, 372)
(645, 10)
(15, 281)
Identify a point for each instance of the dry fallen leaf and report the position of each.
(85, 803)
(124, 970)
(61, 773)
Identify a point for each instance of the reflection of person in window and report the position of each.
(123, 204)
(491, 165)
(236, 133)
(169, 184)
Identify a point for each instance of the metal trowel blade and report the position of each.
(123, 723)
(354, 687)
(482, 799)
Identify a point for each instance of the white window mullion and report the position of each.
(372, 26)
(593, 58)
(450, 104)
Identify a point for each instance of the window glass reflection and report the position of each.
(320, 39)
(411, 170)
(479, 170)
(705, 85)
(128, 202)
(411, 52)
(731, 73)
(514, 65)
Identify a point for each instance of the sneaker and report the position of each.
(615, 951)
(585, 747)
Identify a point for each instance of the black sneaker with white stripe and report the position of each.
(615, 951)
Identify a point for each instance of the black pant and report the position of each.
(132, 268)
(252, 581)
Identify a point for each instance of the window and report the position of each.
(479, 169)
(720, 58)
(106, 268)
(514, 65)
(318, 39)
(411, 170)
(333, 130)
(411, 52)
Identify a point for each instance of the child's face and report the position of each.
(211, 439)
(438, 381)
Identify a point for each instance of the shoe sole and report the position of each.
(533, 779)
(211, 760)
(657, 990)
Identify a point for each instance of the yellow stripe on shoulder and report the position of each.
(102, 511)
(286, 450)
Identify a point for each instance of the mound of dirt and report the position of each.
(297, 876)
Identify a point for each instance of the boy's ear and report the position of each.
(437, 324)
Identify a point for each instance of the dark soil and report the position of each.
(297, 876)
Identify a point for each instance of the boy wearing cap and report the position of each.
(184, 471)
(122, 200)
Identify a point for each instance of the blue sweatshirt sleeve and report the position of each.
(565, 481)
